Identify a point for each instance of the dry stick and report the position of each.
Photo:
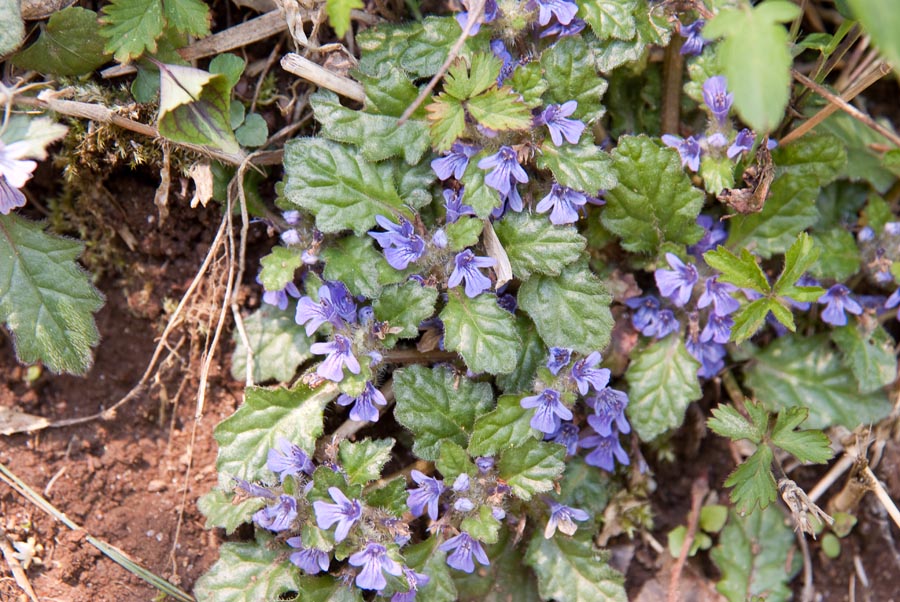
(315, 73)
(867, 80)
(476, 12)
(15, 566)
(238, 182)
(846, 107)
(808, 593)
(699, 489)
(877, 488)
(833, 474)
(673, 65)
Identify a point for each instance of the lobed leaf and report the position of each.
(362, 461)
(131, 27)
(610, 18)
(753, 482)
(742, 271)
(570, 75)
(806, 445)
(726, 421)
(222, 512)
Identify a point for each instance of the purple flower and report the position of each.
(310, 560)
(505, 168)
(688, 148)
(549, 410)
(340, 355)
(586, 375)
(279, 516)
(374, 559)
(415, 580)
(717, 97)
(742, 142)
(401, 245)
(288, 459)
(490, 13)
(575, 27)
(280, 298)
(467, 265)
(513, 201)
(315, 314)
(484, 464)
(664, 324)
(554, 117)
(464, 549)
(455, 208)
(710, 355)
(509, 63)
(559, 359)
(345, 512)
(646, 311)
(364, 409)
(677, 283)
(455, 162)
(838, 300)
(605, 449)
(463, 505)
(717, 140)
(717, 329)
(292, 217)
(10, 197)
(254, 490)
(609, 406)
(508, 302)
(694, 42)
(291, 238)
(564, 202)
(562, 517)
(713, 234)
(341, 300)
(719, 295)
(427, 494)
(461, 482)
(14, 172)
(567, 436)
(547, 9)
(893, 300)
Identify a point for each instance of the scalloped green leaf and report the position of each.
(437, 405)
(222, 512)
(500, 109)
(531, 355)
(570, 75)
(278, 267)
(531, 467)
(131, 27)
(404, 306)
(339, 14)
(362, 462)
(583, 166)
(870, 356)
(662, 380)
(535, 246)
(46, 300)
(571, 569)
(478, 195)
(278, 343)
(187, 16)
(610, 18)
(354, 261)
(481, 331)
(505, 426)
(248, 572)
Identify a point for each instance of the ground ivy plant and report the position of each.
(480, 317)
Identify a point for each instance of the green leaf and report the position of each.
(531, 467)
(713, 517)
(717, 174)
(583, 166)
(278, 267)
(507, 425)
(483, 526)
(324, 589)
(481, 331)
(726, 421)
(478, 195)
(362, 462)
(454, 460)
(390, 497)
(535, 246)
(570, 310)
(790, 209)
(187, 16)
(806, 445)
(751, 317)
(355, 262)
(742, 271)
(339, 14)
(389, 91)
(248, 572)
(870, 357)
(68, 45)
(194, 108)
(404, 306)
(377, 136)
(437, 405)
(753, 482)
(840, 255)
(13, 31)
(528, 81)
(756, 60)
(662, 382)
(805, 372)
(230, 65)
(882, 24)
(507, 578)
(863, 161)
(798, 259)
(266, 415)
(570, 75)
(425, 557)
(586, 487)
(466, 79)
(752, 555)
(654, 201)
(222, 512)
(821, 157)
(463, 233)
(253, 132)
(131, 27)
(46, 299)
(653, 29)
(571, 569)
(447, 121)
(339, 187)
(500, 109)
(279, 345)
(531, 355)
(610, 18)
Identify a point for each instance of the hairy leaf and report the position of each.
(570, 75)
(278, 267)
(478, 195)
(584, 166)
(425, 557)
(726, 421)
(46, 300)
(662, 381)
(570, 310)
(797, 261)
(248, 572)
(481, 331)
(654, 201)
(404, 306)
(278, 343)
(507, 578)
(131, 27)
(354, 261)
(467, 79)
(531, 467)
(571, 569)
(438, 406)
(840, 255)
(507, 425)
(806, 445)
(870, 356)
(531, 355)
(500, 109)
(14, 28)
(610, 18)
(187, 16)
(390, 497)
(362, 462)
(742, 271)
(751, 317)
(535, 246)
(222, 512)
